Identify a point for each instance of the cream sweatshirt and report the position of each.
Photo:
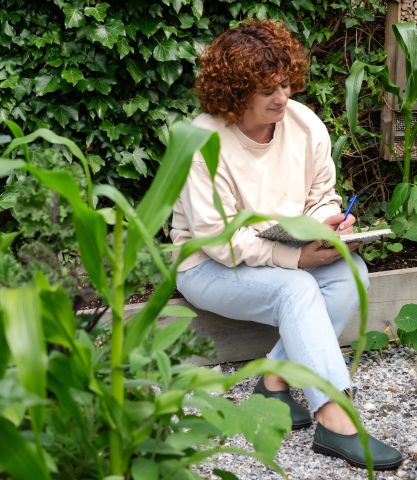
(292, 175)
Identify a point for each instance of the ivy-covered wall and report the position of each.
(113, 76)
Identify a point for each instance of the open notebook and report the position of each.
(277, 233)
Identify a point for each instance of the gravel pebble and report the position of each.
(386, 398)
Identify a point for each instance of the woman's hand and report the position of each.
(343, 227)
(313, 255)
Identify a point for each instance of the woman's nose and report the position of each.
(280, 94)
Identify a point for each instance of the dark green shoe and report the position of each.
(349, 448)
(300, 416)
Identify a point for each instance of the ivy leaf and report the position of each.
(98, 12)
(72, 75)
(187, 51)
(138, 102)
(177, 4)
(135, 70)
(186, 20)
(178, 104)
(62, 114)
(148, 26)
(407, 317)
(73, 16)
(101, 105)
(169, 71)
(103, 85)
(95, 162)
(167, 50)
(114, 131)
(134, 160)
(46, 84)
(108, 34)
(197, 8)
(124, 48)
(10, 82)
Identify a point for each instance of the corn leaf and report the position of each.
(406, 35)
(17, 455)
(156, 205)
(21, 314)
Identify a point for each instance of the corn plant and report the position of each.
(74, 408)
(403, 205)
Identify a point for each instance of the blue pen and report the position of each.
(349, 209)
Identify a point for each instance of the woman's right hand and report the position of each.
(313, 255)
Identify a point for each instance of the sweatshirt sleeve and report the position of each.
(204, 220)
(322, 201)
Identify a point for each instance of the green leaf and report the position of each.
(147, 25)
(18, 457)
(114, 131)
(20, 309)
(46, 84)
(169, 71)
(109, 33)
(164, 367)
(408, 338)
(63, 113)
(411, 233)
(10, 82)
(165, 337)
(412, 201)
(8, 166)
(95, 162)
(407, 318)
(72, 75)
(144, 468)
(124, 48)
(394, 247)
(101, 104)
(103, 85)
(166, 50)
(197, 8)
(73, 16)
(135, 70)
(374, 341)
(132, 105)
(406, 35)
(224, 475)
(136, 159)
(400, 196)
(4, 349)
(169, 402)
(6, 240)
(98, 12)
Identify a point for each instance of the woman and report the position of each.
(274, 159)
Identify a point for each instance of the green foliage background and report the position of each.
(114, 76)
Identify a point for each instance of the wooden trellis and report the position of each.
(392, 121)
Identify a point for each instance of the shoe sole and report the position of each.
(333, 453)
(300, 426)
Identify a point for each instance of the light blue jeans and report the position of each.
(309, 307)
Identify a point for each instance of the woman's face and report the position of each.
(268, 106)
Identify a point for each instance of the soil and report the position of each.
(407, 258)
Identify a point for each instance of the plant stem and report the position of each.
(117, 377)
(407, 145)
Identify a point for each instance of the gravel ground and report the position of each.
(387, 401)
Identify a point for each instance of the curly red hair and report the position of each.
(255, 56)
